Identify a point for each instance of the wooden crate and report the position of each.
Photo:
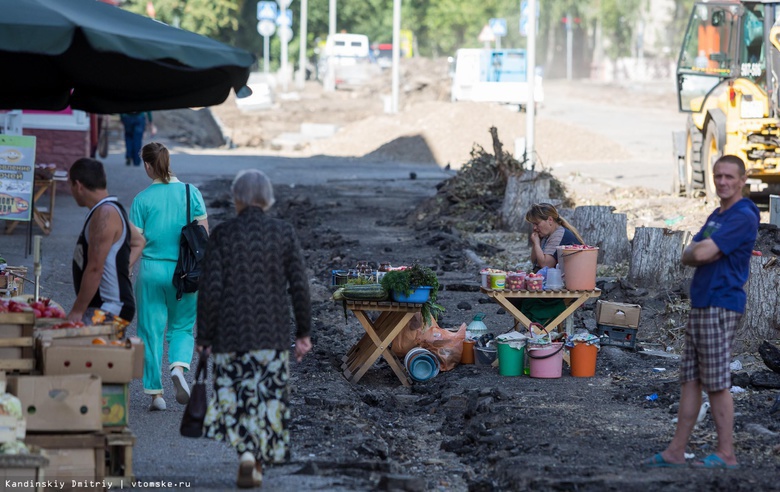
(23, 472)
(119, 457)
(16, 342)
(71, 455)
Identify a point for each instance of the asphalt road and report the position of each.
(160, 453)
(644, 131)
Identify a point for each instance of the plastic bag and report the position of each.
(445, 344)
(408, 338)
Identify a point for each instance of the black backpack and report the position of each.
(192, 248)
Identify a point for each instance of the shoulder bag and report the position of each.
(195, 411)
(192, 248)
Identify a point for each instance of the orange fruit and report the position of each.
(99, 341)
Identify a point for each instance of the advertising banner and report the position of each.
(17, 172)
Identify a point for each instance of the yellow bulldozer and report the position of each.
(728, 79)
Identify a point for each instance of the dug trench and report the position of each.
(470, 428)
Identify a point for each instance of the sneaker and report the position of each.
(248, 475)
(128, 161)
(180, 384)
(158, 404)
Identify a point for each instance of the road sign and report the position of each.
(284, 18)
(267, 10)
(285, 34)
(498, 26)
(283, 4)
(266, 27)
(486, 35)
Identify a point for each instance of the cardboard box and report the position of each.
(113, 363)
(115, 405)
(618, 314)
(59, 403)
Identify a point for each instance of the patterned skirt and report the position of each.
(249, 407)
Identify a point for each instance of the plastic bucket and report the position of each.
(583, 360)
(579, 268)
(497, 281)
(546, 361)
(467, 357)
(484, 356)
(421, 364)
(510, 360)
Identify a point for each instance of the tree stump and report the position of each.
(761, 320)
(522, 191)
(598, 226)
(655, 258)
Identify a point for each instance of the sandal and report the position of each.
(715, 462)
(658, 461)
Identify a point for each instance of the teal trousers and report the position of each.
(162, 319)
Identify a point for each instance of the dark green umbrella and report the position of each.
(99, 58)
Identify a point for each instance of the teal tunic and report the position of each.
(158, 212)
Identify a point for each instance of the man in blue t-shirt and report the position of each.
(721, 254)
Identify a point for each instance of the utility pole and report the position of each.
(396, 54)
(530, 108)
(301, 79)
(569, 40)
(330, 74)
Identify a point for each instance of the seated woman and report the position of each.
(550, 230)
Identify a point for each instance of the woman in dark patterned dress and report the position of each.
(253, 271)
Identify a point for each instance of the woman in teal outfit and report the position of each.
(159, 214)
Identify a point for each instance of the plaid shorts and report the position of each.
(707, 354)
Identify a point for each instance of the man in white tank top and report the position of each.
(107, 246)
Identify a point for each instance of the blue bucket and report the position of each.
(418, 296)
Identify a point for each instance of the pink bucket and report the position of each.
(546, 361)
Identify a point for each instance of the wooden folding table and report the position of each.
(392, 318)
(572, 298)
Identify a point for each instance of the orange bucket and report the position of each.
(467, 357)
(579, 268)
(583, 360)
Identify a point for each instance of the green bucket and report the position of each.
(510, 360)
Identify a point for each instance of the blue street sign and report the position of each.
(498, 26)
(284, 18)
(267, 11)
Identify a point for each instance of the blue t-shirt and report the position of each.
(721, 283)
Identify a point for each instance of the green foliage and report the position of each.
(217, 19)
(618, 21)
(405, 281)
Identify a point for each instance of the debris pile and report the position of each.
(471, 200)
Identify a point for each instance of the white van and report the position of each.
(348, 56)
(352, 47)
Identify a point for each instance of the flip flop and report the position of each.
(714, 461)
(658, 461)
